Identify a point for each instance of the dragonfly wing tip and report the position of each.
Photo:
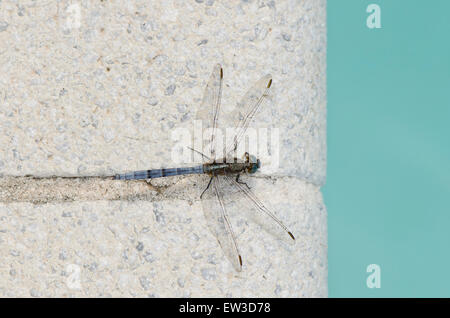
(291, 235)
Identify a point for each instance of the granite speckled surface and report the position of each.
(95, 88)
(159, 248)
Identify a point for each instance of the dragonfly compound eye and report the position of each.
(254, 167)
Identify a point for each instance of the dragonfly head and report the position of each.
(254, 164)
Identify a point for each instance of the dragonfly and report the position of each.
(223, 186)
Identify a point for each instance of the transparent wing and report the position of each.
(245, 110)
(261, 214)
(208, 113)
(213, 203)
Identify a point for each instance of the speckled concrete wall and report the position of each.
(93, 88)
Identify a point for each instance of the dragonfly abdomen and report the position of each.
(158, 173)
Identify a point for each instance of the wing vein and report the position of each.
(216, 185)
(261, 207)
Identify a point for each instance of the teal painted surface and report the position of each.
(388, 178)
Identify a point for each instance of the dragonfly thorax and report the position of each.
(253, 164)
(249, 165)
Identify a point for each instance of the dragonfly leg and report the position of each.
(241, 182)
(207, 187)
(200, 153)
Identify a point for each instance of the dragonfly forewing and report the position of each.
(209, 111)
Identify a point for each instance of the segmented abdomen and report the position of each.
(158, 173)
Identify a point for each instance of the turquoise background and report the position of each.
(388, 182)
